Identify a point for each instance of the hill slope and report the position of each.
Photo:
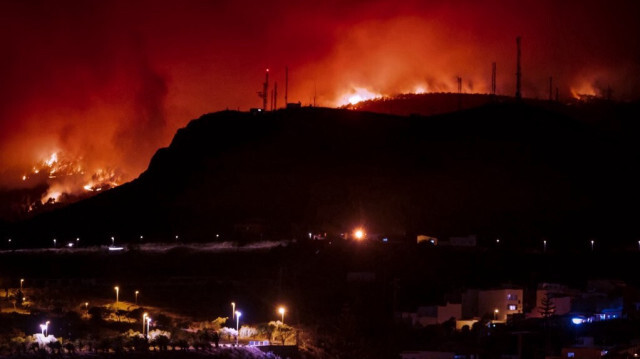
(504, 169)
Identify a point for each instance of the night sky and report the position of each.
(111, 81)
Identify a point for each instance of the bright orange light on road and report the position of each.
(359, 234)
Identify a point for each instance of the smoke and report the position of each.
(110, 82)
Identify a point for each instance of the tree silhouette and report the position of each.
(547, 308)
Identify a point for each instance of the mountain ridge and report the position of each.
(500, 169)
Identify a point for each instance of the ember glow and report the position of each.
(68, 177)
(358, 95)
(119, 79)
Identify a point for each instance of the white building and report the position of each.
(498, 304)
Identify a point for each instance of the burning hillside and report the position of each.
(66, 179)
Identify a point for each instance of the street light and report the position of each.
(117, 295)
(54, 242)
(544, 246)
(148, 322)
(137, 292)
(238, 314)
(144, 318)
(495, 314)
(21, 281)
(46, 328)
(113, 241)
(592, 243)
(86, 305)
(281, 310)
(233, 310)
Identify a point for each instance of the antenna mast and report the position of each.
(264, 95)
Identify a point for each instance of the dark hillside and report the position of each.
(502, 169)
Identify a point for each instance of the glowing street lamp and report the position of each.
(359, 234)
(21, 281)
(113, 241)
(54, 242)
(117, 289)
(495, 314)
(238, 314)
(281, 310)
(86, 305)
(233, 310)
(148, 322)
(144, 318)
(544, 246)
(42, 328)
(592, 244)
(46, 328)
(137, 292)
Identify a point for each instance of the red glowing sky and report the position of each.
(111, 81)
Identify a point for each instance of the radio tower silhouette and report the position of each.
(264, 94)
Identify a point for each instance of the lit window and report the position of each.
(512, 297)
(571, 354)
(512, 307)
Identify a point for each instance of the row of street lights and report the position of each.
(117, 289)
(236, 315)
(146, 318)
(44, 329)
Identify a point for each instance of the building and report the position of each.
(560, 297)
(498, 304)
(433, 314)
(583, 350)
(423, 238)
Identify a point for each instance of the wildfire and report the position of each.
(357, 95)
(69, 177)
(584, 91)
(102, 179)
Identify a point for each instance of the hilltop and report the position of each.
(502, 169)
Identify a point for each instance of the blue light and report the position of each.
(385, 239)
(577, 320)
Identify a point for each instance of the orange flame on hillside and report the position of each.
(67, 176)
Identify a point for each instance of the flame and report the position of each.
(68, 176)
(102, 179)
(357, 95)
(583, 90)
(419, 90)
